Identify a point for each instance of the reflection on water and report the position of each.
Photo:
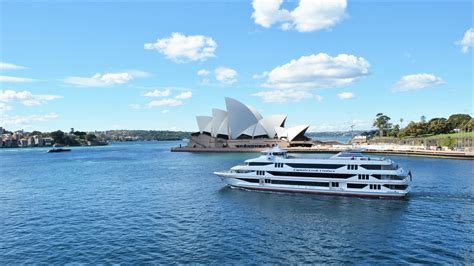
(140, 203)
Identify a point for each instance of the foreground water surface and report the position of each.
(139, 203)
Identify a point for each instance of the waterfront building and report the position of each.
(242, 126)
(23, 143)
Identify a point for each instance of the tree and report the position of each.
(382, 123)
(80, 134)
(401, 122)
(58, 136)
(468, 126)
(36, 132)
(457, 120)
(414, 129)
(91, 137)
(394, 132)
(423, 119)
(438, 126)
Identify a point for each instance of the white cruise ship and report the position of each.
(348, 173)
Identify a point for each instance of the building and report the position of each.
(242, 126)
(359, 140)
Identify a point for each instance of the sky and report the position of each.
(155, 65)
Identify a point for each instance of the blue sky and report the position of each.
(84, 65)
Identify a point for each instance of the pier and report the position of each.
(468, 155)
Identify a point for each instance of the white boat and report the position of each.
(348, 173)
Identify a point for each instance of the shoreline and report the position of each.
(414, 152)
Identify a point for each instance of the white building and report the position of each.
(243, 122)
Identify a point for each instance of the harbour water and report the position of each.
(139, 203)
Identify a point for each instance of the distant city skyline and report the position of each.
(157, 65)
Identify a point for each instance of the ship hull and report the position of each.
(234, 182)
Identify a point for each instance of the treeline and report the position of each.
(73, 138)
(146, 135)
(434, 126)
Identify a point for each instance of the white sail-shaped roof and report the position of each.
(293, 132)
(260, 131)
(239, 116)
(255, 112)
(224, 128)
(270, 122)
(240, 119)
(249, 131)
(281, 132)
(218, 117)
(204, 123)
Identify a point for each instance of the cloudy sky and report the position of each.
(155, 65)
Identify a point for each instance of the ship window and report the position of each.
(359, 186)
(335, 184)
(320, 166)
(370, 186)
(300, 183)
(372, 167)
(259, 163)
(251, 180)
(396, 187)
(315, 175)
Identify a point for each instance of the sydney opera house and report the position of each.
(242, 126)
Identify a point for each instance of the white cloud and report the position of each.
(15, 79)
(181, 48)
(416, 82)
(7, 66)
(318, 71)
(22, 120)
(268, 12)
(101, 80)
(203, 72)
(158, 93)
(226, 75)
(318, 98)
(165, 102)
(135, 106)
(184, 95)
(467, 41)
(165, 111)
(139, 73)
(345, 95)
(260, 76)
(4, 108)
(284, 96)
(26, 97)
(309, 15)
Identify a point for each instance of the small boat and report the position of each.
(348, 173)
(56, 149)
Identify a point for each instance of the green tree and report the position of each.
(469, 125)
(58, 136)
(394, 131)
(438, 126)
(80, 134)
(457, 120)
(382, 123)
(36, 132)
(423, 119)
(91, 137)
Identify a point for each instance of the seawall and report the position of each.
(424, 153)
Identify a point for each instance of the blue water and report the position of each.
(140, 203)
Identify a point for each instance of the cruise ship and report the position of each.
(348, 173)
